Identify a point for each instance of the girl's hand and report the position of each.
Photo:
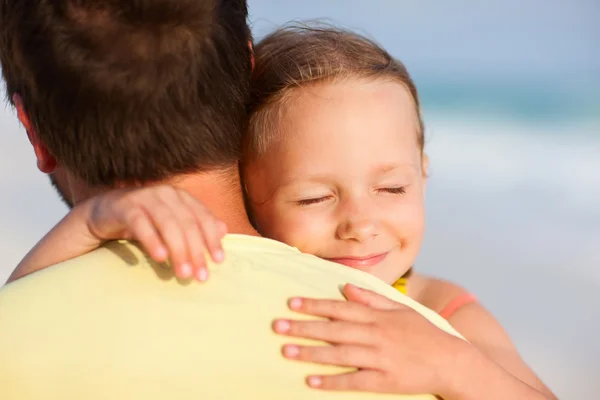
(169, 224)
(395, 349)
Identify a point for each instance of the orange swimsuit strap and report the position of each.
(453, 306)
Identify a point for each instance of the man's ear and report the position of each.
(45, 161)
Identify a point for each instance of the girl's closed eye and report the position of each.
(314, 200)
(393, 190)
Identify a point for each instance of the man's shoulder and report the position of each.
(274, 264)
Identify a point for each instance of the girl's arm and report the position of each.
(70, 238)
(167, 222)
(484, 332)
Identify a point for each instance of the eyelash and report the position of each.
(307, 202)
(395, 190)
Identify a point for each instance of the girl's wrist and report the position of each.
(469, 374)
(80, 222)
(455, 372)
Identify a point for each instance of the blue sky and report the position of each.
(459, 39)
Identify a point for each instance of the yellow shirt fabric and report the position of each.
(113, 324)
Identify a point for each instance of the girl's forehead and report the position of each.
(348, 107)
(345, 119)
(347, 160)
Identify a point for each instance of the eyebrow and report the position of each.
(318, 178)
(385, 168)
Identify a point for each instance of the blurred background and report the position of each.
(511, 96)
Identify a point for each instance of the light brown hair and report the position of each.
(297, 56)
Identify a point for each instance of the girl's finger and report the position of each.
(366, 380)
(370, 298)
(142, 230)
(334, 309)
(222, 228)
(335, 332)
(167, 223)
(340, 355)
(194, 250)
(212, 228)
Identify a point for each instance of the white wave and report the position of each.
(500, 155)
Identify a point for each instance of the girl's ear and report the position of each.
(425, 171)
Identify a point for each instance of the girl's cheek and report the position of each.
(306, 232)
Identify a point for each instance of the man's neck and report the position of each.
(221, 193)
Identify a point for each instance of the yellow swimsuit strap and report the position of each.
(402, 282)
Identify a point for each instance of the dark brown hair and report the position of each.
(302, 55)
(130, 91)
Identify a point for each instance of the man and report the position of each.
(117, 93)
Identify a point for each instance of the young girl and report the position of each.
(334, 165)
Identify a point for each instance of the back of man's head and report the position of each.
(130, 91)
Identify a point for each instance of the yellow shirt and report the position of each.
(114, 325)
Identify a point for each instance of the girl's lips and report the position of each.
(360, 262)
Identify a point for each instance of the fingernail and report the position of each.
(202, 274)
(218, 256)
(185, 270)
(291, 351)
(281, 326)
(295, 303)
(314, 381)
(160, 253)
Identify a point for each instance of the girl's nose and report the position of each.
(357, 229)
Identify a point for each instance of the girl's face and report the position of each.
(346, 181)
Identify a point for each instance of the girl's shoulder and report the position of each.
(439, 295)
